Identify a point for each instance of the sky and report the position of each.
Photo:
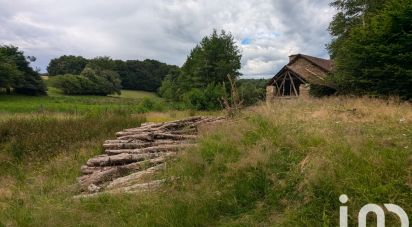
(266, 31)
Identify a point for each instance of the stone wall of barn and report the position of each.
(304, 90)
(270, 93)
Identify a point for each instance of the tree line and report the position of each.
(103, 75)
(200, 83)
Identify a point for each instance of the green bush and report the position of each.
(90, 82)
(150, 104)
(204, 99)
(168, 89)
(320, 90)
(252, 91)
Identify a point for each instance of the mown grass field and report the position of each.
(283, 164)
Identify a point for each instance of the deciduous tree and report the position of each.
(375, 57)
(16, 73)
(66, 64)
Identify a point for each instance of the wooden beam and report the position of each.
(284, 79)
(293, 83)
(277, 89)
(282, 84)
(301, 79)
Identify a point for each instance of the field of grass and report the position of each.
(283, 164)
(56, 102)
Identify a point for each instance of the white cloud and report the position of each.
(166, 29)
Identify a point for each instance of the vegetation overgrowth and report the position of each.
(371, 47)
(282, 164)
(200, 81)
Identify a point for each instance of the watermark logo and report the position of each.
(371, 208)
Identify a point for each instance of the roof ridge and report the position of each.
(325, 64)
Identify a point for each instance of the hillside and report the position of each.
(284, 164)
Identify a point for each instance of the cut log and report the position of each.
(156, 149)
(114, 172)
(158, 135)
(122, 159)
(142, 137)
(133, 145)
(174, 137)
(89, 170)
(188, 131)
(132, 178)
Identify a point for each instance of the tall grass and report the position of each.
(283, 164)
(286, 164)
(81, 104)
(40, 158)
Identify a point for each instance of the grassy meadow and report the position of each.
(56, 102)
(283, 164)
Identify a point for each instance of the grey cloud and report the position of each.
(166, 29)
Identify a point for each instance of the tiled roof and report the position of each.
(325, 64)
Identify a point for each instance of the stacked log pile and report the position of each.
(138, 152)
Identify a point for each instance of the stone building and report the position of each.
(293, 79)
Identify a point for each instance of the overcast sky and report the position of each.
(267, 31)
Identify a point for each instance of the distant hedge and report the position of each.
(89, 82)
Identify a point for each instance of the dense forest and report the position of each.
(372, 47)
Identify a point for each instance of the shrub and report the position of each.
(204, 99)
(90, 82)
(168, 89)
(252, 91)
(320, 90)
